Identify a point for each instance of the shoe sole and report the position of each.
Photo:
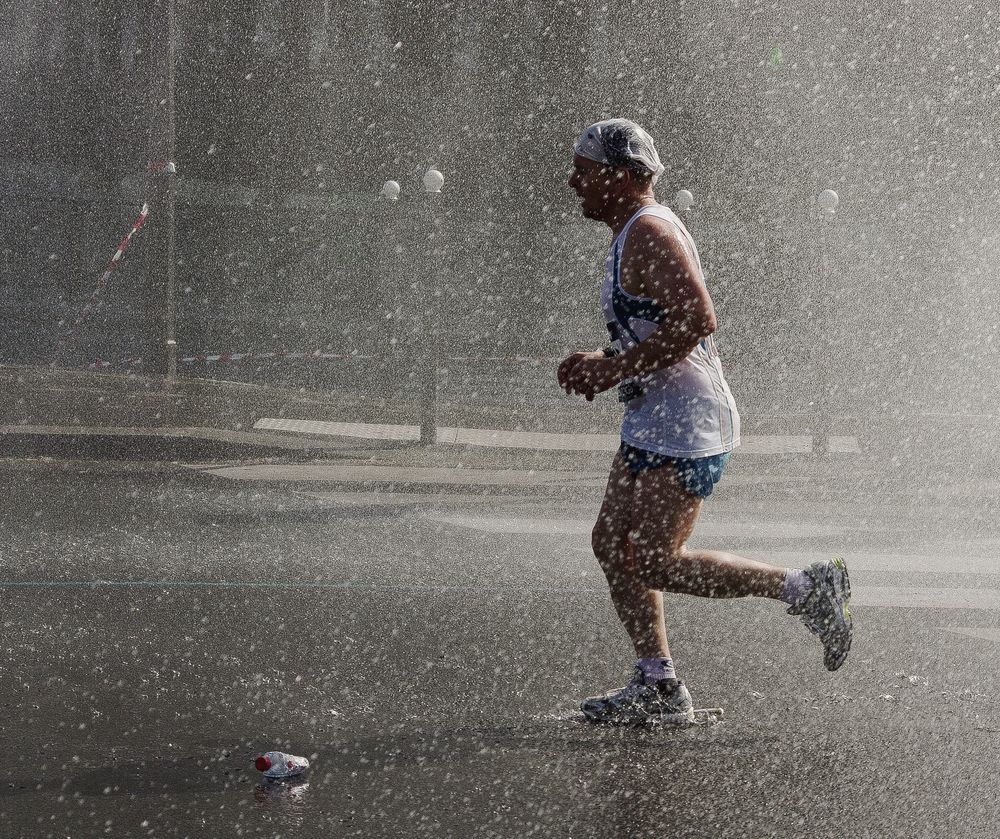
(638, 717)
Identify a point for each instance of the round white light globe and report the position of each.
(684, 200)
(828, 200)
(433, 180)
(390, 190)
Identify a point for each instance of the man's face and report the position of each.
(595, 184)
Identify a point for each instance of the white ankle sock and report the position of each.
(654, 669)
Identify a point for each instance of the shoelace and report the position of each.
(821, 616)
(818, 624)
(631, 690)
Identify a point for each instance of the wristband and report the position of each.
(609, 352)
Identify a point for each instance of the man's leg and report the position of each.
(654, 694)
(664, 517)
(665, 514)
(639, 608)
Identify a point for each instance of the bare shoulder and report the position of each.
(658, 264)
(654, 257)
(654, 234)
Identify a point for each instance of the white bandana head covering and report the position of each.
(620, 142)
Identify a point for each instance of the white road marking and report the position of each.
(399, 499)
(933, 560)
(516, 524)
(980, 633)
(893, 598)
(900, 564)
(364, 430)
(500, 438)
(711, 530)
(528, 439)
(365, 473)
(944, 558)
(350, 585)
(912, 597)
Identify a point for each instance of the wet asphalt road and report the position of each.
(162, 627)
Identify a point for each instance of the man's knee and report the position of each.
(611, 547)
(656, 566)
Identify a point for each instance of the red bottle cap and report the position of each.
(263, 763)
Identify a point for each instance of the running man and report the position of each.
(679, 429)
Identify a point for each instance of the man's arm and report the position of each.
(657, 257)
(656, 264)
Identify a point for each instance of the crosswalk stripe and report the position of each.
(705, 529)
(980, 633)
(502, 438)
(913, 597)
(897, 597)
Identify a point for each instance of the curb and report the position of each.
(161, 444)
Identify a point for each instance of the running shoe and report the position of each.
(663, 702)
(826, 612)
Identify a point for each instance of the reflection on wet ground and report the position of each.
(432, 670)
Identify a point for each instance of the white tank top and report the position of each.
(685, 410)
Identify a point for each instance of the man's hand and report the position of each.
(587, 374)
(569, 363)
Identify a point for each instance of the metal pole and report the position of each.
(828, 200)
(161, 193)
(429, 359)
(821, 432)
(170, 173)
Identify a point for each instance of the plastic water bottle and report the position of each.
(278, 765)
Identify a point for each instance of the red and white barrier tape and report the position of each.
(237, 357)
(253, 356)
(521, 359)
(125, 362)
(226, 357)
(91, 305)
